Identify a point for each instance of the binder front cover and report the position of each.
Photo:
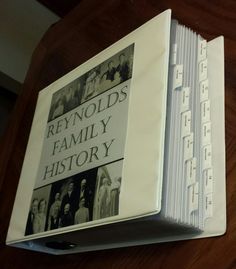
(95, 153)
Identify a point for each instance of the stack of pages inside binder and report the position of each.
(188, 175)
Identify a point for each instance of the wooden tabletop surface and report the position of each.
(89, 28)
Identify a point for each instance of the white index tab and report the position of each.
(188, 147)
(185, 123)
(184, 99)
(206, 157)
(208, 181)
(193, 194)
(178, 76)
(206, 133)
(191, 166)
(204, 86)
(202, 50)
(203, 70)
(208, 206)
(205, 111)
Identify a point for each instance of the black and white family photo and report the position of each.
(36, 220)
(87, 196)
(106, 201)
(103, 77)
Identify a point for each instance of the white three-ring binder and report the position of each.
(151, 164)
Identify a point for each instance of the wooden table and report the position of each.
(84, 32)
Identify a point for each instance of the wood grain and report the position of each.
(84, 32)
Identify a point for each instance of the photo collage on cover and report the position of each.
(101, 78)
(87, 196)
(92, 194)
